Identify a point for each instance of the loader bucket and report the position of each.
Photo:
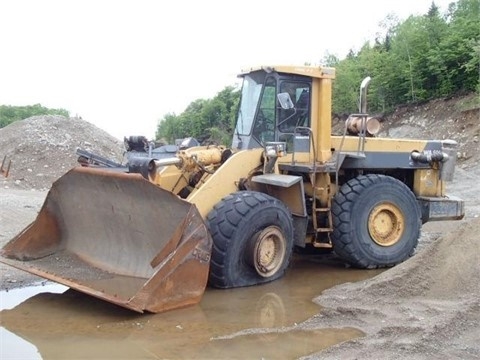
(119, 238)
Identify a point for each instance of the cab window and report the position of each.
(299, 115)
(264, 128)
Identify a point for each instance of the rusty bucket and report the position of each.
(119, 238)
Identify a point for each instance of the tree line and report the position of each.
(9, 114)
(203, 118)
(421, 58)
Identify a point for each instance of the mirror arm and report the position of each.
(288, 118)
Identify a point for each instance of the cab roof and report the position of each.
(322, 72)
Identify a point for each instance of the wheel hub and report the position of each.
(269, 251)
(386, 224)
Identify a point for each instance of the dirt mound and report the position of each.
(429, 304)
(456, 118)
(42, 148)
(445, 269)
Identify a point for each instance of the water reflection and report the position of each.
(13, 347)
(11, 298)
(256, 322)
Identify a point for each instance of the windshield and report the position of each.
(251, 89)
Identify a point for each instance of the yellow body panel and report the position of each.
(427, 183)
(379, 144)
(351, 144)
(170, 178)
(214, 187)
(321, 110)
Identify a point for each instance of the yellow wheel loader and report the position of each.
(231, 217)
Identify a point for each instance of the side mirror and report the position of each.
(285, 101)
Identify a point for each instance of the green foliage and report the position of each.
(9, 114)
(421, 58)
(213, 119)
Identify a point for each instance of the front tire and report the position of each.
(376, 221)
(252, 237)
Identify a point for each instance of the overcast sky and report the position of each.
(122, 65)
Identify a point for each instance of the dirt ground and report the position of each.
(427, 307)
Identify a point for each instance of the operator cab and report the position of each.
(273, 106)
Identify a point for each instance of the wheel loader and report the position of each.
(231, 217)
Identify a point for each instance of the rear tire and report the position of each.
(252, 240)
(376, 221)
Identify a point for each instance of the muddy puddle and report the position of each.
(263, 322)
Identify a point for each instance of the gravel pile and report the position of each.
(42, 148)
